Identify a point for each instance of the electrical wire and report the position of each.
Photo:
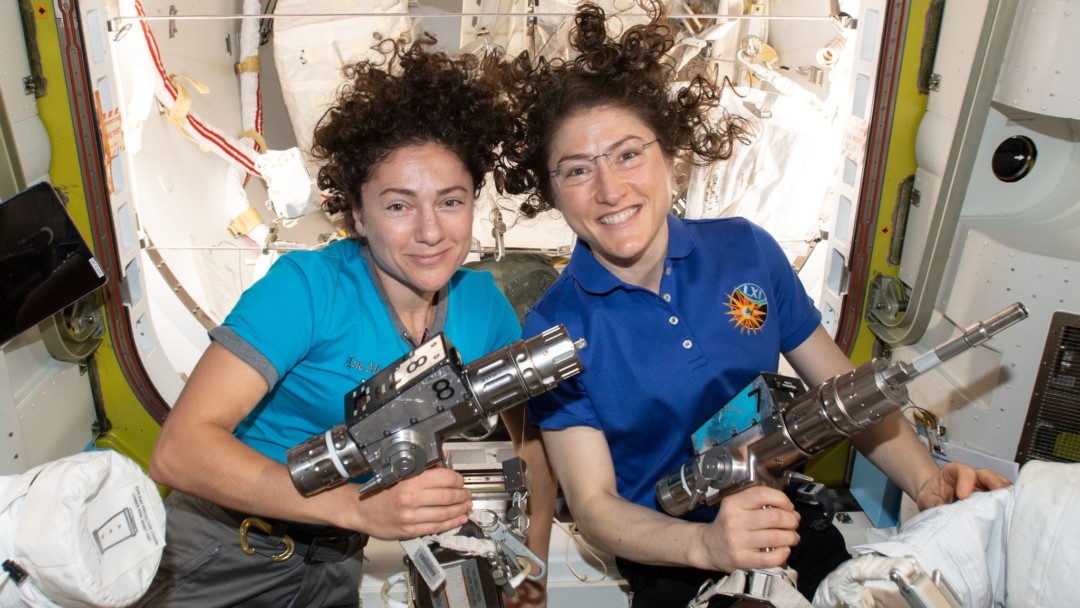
(571, 532)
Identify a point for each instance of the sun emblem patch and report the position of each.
(748, 308)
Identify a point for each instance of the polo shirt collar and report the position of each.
(595, 279)
(438, 323)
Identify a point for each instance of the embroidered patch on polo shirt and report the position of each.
(748, 308)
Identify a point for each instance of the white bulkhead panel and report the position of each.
(1017, 237)
(955, 60)
(1041, 73)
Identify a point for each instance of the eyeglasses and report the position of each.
(624, 157)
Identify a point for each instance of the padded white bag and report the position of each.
(87, 530)
(1011, 547)
(311, 51)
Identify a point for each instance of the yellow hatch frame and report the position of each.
(133, 430)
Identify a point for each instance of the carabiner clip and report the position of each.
(246, 547)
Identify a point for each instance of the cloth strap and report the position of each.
(326, 546)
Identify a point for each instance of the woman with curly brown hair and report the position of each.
(406, 147)
(679, 316)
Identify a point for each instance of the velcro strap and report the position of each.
(181, 107)
(245, 222)
(260, 141)
(248, 64)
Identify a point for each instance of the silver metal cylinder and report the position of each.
(510, 376)
(838, 408)
(401, 436)
(770, 457)
(325, 461)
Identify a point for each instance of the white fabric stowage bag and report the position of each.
(87, 530)
(1011, 547)
(314, 40)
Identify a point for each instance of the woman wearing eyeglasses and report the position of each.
(679, 317)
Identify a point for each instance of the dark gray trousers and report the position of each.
(204, 567)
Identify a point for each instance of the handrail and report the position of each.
(971, 121)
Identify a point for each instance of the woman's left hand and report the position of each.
(956, 481)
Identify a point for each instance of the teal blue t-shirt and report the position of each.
(315, 327)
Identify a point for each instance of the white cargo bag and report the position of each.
(87, 530)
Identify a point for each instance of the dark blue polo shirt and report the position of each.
(657, 366)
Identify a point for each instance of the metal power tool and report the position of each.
(790, 425)
(396, 420)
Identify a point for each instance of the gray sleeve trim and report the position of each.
(247, 353)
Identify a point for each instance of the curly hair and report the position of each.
(634, 73)
(411, 96)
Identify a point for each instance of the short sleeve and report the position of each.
(275, 316)
(799, 317)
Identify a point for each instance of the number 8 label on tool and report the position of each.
(426, 356)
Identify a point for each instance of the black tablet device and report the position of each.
(45, 264)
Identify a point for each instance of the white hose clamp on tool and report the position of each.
(393, 581)
(340, 466)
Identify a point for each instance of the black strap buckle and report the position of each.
(15, 571)
(814, 494)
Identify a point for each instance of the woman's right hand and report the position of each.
(755, 528)
(433, 501)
